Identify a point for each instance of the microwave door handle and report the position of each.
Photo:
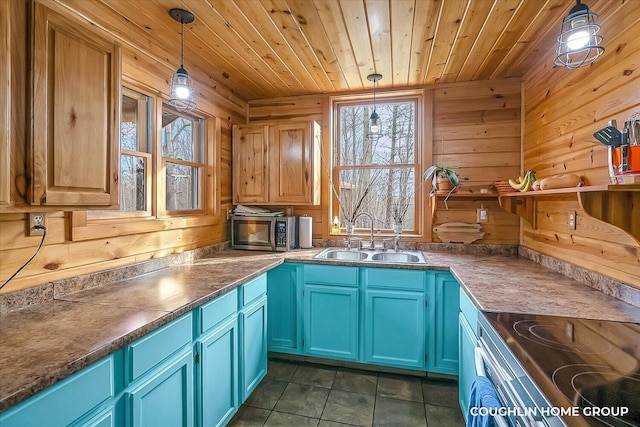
(272, 237)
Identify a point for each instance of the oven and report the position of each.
(551, 371)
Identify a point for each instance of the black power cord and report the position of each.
(37, 227)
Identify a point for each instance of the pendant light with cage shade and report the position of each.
(181, 88)
(374, 120)
(579, 43)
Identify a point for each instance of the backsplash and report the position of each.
(27, 297)
(38, 294)
(590, 278)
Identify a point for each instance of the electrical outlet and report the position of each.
(36, 219)
(482, 215)
(572, 220)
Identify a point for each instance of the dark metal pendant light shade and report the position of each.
(374, 120)
(181, 88)
(579, 43)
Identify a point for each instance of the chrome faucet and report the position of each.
(372, 244)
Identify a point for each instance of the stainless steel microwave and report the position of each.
(262, 233)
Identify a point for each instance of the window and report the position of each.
(135, 157)
(377, 173)
(182, 140)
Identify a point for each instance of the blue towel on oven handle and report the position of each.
(483, 395)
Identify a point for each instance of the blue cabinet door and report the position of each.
(165, 397)
(467, 369)
(253, 347)
(331, 322)
(394, 328)
(444, 335)
(217, 375)
(69, 400)
(283, 330)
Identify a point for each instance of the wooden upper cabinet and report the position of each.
(277, 164)
(250, 157)
(76, 75)
(292, 152)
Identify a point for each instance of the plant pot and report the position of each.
(444, 186)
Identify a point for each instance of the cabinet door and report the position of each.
(166, 397)
(218, 375)
(331, 322)
(444, 310)
(394, 329)
(467, 370)
(69, 400)
(253, 343)
(283, 329)
(290, 162)
(75, 112)
(250, 164)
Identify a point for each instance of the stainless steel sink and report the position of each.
(403, 257)
(397, 257)
(337, 254)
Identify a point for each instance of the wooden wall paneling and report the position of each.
(380, 37)
(353, 14)
(502, 227)
(402, 16)
(562, 110)
(108, 244)
(5, 103)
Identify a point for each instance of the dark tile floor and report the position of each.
(295, 394)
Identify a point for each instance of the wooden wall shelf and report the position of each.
(466, 195)
(618, 205)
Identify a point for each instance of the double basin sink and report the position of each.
(411, 257)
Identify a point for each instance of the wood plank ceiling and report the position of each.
(275, 48)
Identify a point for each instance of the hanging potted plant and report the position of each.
(444, 179)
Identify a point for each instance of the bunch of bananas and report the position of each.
(524, 183)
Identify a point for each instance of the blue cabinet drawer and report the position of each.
(411, 280)
(217, 310)
(331, 275)
(66, 401)
(152, 349)
(253, 289)
(469, 311)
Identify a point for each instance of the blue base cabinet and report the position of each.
(83, 395)
(393, 323)
(253, 336)
(468, 321)
(165, 397)
(195, 370)
(217, 361)
(331, 322)
(284, 330)
(443, 343)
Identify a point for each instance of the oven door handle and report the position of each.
(480, 359)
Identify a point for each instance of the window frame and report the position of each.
(200, 138)
(147, 102)
(420, 100)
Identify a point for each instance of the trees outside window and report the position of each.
(377, 173)
(182, 154)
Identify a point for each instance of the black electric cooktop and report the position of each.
(592, 365)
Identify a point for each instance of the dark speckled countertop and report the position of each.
(45, 343)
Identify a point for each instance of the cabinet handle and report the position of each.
(115, 178)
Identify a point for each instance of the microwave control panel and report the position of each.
(281, 234)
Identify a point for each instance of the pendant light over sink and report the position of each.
(374, 120)
(181, 88)
(579, 43)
